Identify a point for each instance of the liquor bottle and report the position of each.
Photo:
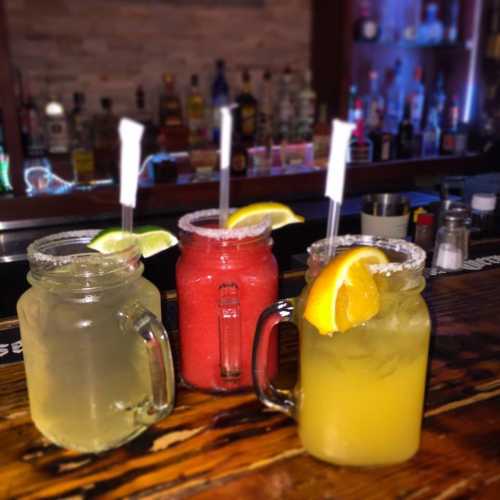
(286, 108)
(431, 31)
(5, 181)
(32, 130)
(438, 100)
(82, 154)
(431, 136)
(2, 134)
(239, 159)
(383, 143)
(195, 113)
(493, 37)
(417, 100)
(57, 127)
(390, 20)
(449, 143)
(266, 101)
(366, 27)
(395, 99)
(105, 124)
(374, 106)
(452, 15)
(484, 139)
(141, 113)
(351, 103)
(170, 108)
(380, 136)
(306, 109)
(405, 134)
(220, 97)
(246, 113)
(322, 133)
(360, 147)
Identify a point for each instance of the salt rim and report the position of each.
(186, 223)
(37, 255)
(415, 255)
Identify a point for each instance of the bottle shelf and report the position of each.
(465, 46)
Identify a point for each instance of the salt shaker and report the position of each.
(463, 210)
(450, 247)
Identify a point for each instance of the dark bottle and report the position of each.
(220, 97)
(32, 132)
(246, 113)
(106, 140)
(141, 113)
(383, 145)
(405, 140)
(484, 137)
(143, 116)
(454, 137)
(366, 27)
(239, 159)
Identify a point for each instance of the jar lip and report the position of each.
(188, 224)
(414, 255)
(41, 252)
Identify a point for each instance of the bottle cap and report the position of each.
(460, 208)
(425, 219)
(454, 219)
(484, 201)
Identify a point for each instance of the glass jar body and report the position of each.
(222, 287)
(359, 395)
(95, 377)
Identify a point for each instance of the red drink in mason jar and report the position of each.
(225, 279)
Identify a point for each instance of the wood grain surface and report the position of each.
(232, 447)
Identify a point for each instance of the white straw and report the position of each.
(225, 161)
(335, 177)
(130, 158)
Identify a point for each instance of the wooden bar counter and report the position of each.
(232, 447)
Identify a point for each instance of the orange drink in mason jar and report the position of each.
(364, 336)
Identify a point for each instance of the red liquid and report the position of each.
(222, 287)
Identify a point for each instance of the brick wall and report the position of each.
(108, 47)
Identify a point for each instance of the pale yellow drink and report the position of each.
(88, 371)
(359, 395)
(361, 392)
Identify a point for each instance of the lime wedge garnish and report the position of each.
(280, 215)
(154, 239)
(151, 240)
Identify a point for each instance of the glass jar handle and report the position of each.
(161, 366)
(229, 331)
(276, 399)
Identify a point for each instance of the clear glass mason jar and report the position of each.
(359, 396)
(98, 361)
(225, 279)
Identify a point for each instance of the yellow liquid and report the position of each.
(87, 378)
(361, 393)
